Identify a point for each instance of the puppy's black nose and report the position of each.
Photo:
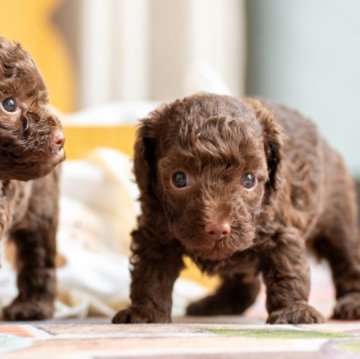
(218, 230)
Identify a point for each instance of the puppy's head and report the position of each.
(210, 163)
(31, 138)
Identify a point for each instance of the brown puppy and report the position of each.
(242, 187)
(31, 147)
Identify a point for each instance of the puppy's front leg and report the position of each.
(286, 274)
(154, 272)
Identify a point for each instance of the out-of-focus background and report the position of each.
(305, 54)
(108, 63)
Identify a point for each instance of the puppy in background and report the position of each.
(242, 187)
(31, 148)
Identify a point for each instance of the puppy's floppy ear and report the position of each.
(273, 143)
(145, 156)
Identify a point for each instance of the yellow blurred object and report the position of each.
(29, 22)
(82, 139)
(192, 272)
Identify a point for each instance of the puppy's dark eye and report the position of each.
(179, 179)
(249, 181)
(9, 104)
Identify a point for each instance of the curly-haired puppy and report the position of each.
(242, 187)
(31, 147)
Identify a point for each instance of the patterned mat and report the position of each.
(209, 337)
(179, 340)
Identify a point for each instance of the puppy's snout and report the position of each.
(218, 230)
(59, 139)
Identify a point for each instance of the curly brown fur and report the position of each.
(31, 147)
(261, 185)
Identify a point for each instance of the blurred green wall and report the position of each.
(306, 54)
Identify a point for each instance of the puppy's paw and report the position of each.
(136, 314)
(31, 309)
(347, 307)
(299, 313)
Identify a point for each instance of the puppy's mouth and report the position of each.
(33, 168)
(48, 159)
(58, 157)
(220, 248)
(46, 166)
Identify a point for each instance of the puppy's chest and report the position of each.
(14, 199)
